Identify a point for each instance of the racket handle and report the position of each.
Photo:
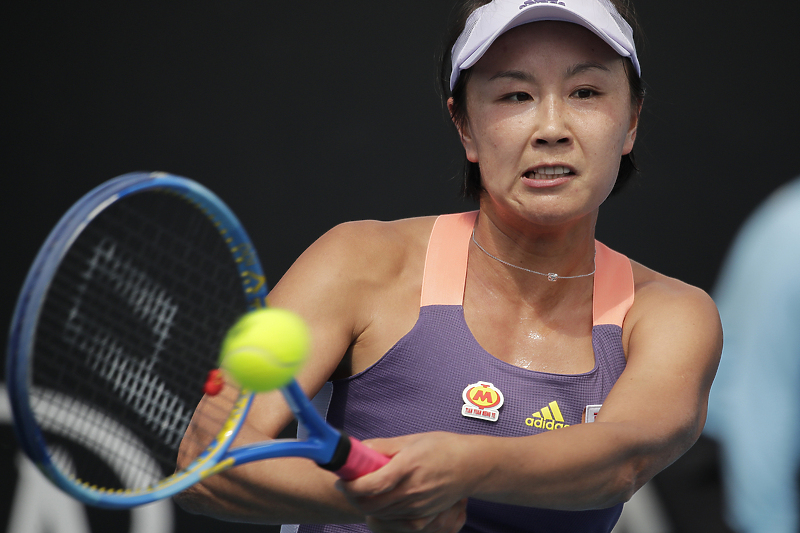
(353, 459)
(361, 461)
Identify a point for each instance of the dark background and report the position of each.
(301, 115)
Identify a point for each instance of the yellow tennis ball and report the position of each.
(265, 349)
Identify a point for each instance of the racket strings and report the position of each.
(130, 328)
(87, 445)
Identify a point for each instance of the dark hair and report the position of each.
(471, 186)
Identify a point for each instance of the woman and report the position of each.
(509, 329)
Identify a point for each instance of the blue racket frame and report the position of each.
(322, 440)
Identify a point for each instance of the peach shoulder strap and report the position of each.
(613, 286)
(446, 260)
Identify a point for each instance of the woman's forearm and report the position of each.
(275, 491)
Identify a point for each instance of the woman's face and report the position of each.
(549, 114)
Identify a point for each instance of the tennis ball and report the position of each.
(265, 349)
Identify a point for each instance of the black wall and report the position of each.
(301, 115)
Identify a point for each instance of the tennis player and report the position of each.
(521, 375)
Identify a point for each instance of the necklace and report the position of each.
(551, 276)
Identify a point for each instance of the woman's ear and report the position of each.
(464, 133)
(630, 137)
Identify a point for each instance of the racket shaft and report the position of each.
(346, 456)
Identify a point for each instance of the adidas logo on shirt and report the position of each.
(548, 418)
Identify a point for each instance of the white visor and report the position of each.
(489, 22)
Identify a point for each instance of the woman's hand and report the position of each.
(423, 488)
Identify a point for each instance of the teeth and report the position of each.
(553, 170)
(549, 171)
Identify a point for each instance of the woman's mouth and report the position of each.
(549, 173)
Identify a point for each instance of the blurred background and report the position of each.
(301, 115)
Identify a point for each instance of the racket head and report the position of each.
(144, 265)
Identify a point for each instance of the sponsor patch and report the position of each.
(482, 400)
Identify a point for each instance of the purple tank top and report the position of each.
(438, 378)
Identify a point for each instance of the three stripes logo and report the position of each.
(548, 418)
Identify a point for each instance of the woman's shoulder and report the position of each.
(377, 233)
(374, 243)
(352, 272)
(653, 287)
(661, 299)
(367, 253)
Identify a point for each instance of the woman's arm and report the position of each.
(334, 286)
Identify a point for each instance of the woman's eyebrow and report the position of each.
(579, 68)
(518, 75)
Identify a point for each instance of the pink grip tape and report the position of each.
(361, 461)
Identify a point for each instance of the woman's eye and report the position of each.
(584, 93)
(519, 97)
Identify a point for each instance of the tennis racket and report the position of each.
(115, 334)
